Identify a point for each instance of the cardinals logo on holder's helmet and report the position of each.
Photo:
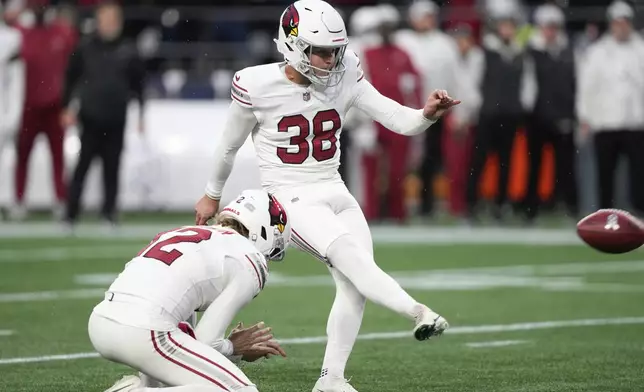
(276, 211)
(291, 21)
(265, 219)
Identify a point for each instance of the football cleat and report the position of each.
(429, 324)
(126, 384)
(333, 384)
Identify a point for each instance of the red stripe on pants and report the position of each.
(207, 360)
(164, 355)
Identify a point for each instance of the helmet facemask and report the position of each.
(321, 76)
(279, 248)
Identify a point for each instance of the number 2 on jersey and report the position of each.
(169, 256)
(320, 154)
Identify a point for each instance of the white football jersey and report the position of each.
(182, 271)
(296, 129)
(299, 127)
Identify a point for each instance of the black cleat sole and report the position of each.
(425, 332)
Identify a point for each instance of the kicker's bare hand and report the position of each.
(205, 209)
(437, 104)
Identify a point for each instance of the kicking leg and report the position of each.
(352, 254)
(349, 255)
(359, 267)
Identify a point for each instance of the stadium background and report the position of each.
(190, 51)
(531, 309)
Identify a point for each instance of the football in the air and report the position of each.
(611, 231)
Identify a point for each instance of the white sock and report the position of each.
(343, 325)
(357, 264)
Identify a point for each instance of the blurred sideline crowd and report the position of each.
(543, 107)
(561, 93)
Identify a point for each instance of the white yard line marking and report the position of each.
(6, 332)
(495, 343)
(475, 329)
(474, 278)
(380, 234)
(523, 276)
(61, 253)
(51, 295)
(48, 358)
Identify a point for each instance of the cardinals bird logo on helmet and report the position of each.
(277, 213)
(290, 21)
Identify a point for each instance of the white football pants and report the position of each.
(171, 357)
(327, 222)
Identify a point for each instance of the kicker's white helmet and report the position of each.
(309, 24)
(266, 220)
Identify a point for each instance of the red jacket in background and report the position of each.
(463, 12)
(46, 50)
(392, 73)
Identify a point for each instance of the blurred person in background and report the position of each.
(435, 56)
(553, 118)
(610, 104)
(45, 50)
(12, 10)
(363, 24)
(584, 39)
(400, 81)
(104, 72)
(462, 13)
(585, 152)
(460, 123)
(507, 86)
(359, 134)
(12, 83)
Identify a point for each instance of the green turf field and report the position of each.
(524, 318)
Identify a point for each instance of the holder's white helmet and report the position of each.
(309, 24)
(265, 219)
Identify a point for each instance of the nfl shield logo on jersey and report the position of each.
(306, 96)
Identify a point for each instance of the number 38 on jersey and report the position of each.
(317, 138)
